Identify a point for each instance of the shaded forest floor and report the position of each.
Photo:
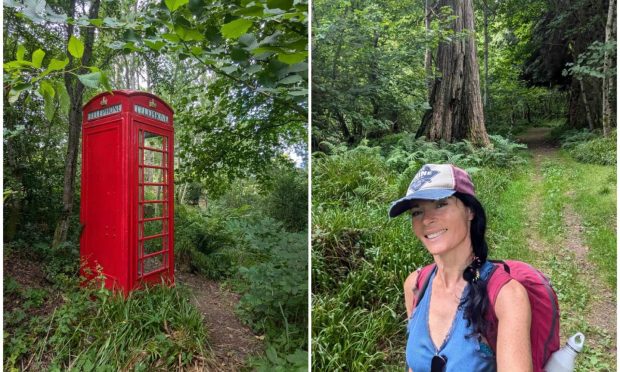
(600, 311)
(230, 341)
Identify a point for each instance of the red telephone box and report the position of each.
(127, 200)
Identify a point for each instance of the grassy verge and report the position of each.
(565, 181)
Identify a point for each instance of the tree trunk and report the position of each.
(486, 53)
(606, 112)
(75, 89)
(13, 204)
(456, 102)
(428, 61)
(585, 105)
(343, 127)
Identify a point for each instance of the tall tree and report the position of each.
(456, 105)
(608, 84)
(75, 88)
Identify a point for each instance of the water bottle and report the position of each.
(563, 360)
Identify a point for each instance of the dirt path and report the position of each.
(601, 311)
(231, 341)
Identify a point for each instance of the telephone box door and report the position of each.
(155, 208)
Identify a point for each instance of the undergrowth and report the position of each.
(589, 147)
(254, 237)
(95, 329)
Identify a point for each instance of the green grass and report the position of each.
(596, 200)
(590, 190)
(156, 328)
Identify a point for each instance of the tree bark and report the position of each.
(456, 102)
(428, 60)
(13, 204)
(75, 89)
(486, 53)
(606, 113)
(585, 105)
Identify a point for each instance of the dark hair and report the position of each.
(477, 301)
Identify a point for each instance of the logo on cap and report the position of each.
(425, 175)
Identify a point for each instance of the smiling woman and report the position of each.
(448, 327)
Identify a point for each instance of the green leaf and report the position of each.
(280, 4)
(76, 47)
(56, 65)
(37, 57)
(292, 79)
(21, 50)
(105, 82)
(16, 91)
(175, 4)
(48, 107)
(46, 89)
(13, 96)
(293, 58)
(229, 69)
(111, 22)
(298, 93)
(156, 45)
(236, 28)
(248, 40)
(266, 49)
(91, 80)
(251, 11)
(130, 35)
(63, 97)
(97, 22)
(188, 34)
(171, 37)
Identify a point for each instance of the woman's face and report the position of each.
(441, 225)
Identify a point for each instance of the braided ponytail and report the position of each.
(476, 303)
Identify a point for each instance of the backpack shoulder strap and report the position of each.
(424, 276)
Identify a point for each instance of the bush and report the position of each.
(600, 150)
(357, 174)
(571, 138)
(287, 198)
(203, 243)
(275, 296)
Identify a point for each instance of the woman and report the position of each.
(445, 330)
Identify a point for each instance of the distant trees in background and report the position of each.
(542, 60)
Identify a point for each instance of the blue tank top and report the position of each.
(463, 353)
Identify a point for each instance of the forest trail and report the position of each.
(230, 341)
(600, 314)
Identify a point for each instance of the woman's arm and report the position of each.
(514, 315)
(410, 292)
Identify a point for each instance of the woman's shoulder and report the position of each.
(512, 296)
(412, 278)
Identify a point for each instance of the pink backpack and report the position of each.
(545, 330)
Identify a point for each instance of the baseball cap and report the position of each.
(434, 182)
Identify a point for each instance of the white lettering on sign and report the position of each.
(150, 113)
(104, 112)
